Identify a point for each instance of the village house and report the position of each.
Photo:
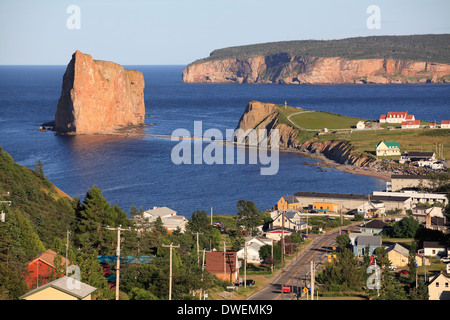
(439, 286)
(224, 265)
(64, 288)
(46, 266)
(433, 249)
(374, 227)
(288, 202)
(360, 125)
(253, 245)
(277, 233)
(399, 256)
(383, 149)
(414, 156)
(396, 117)
(363, 242)
(292, 220)
(411, 124)
(371, 209)
(445, 124)
(169, 218)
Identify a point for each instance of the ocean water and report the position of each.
(139, 170)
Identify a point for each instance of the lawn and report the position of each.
(320, 120)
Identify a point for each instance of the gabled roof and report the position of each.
(397, 114)
(389, 144)
(368, 240)
(445, 122)
(160, 211)
(399, 249)
(290, 198)
(410, 122)
(432, 244)
(376, 224)
(49, 258)
(65, 284)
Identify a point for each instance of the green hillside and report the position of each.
(430, 47)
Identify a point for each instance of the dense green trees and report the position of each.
(432, 48)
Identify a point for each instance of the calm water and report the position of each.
(139, 171)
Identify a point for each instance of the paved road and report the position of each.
(297, 273)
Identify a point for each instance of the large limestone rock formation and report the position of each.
(99, 97)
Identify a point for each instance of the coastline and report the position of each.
(365, 171)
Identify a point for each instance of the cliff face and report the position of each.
(99, 97)
(284, 68)
(259, 115)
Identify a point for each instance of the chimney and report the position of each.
(427, 221)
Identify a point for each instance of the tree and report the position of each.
(412, 265)
(391, 288)
(247, 216)
(405, 228)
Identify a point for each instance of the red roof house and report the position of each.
(44, 269)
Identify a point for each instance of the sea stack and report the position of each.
(98, 97)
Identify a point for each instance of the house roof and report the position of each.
(399, 249)
(416, 154)
(66, 284)
(409, 176)
(331, 195)
(410, 122)
(445, 122)
(290, 198)
(376, 224)
(367, 240)
(432, 244)
(49, 258)
(389, 144)
(383, 116)
(161, 211)
(397, 114)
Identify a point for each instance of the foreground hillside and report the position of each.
(382, 59)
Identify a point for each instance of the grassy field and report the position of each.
(424, 140)
(319, 120)
(409, 140)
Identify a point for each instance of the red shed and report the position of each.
(42, 269)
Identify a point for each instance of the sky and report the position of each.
(177, 32)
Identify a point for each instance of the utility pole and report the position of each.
(170, 267)
(67, 252)
(211, 215)
(203, 270)
(245, 265)
(312, 280)
(224, 262)
(282, 257)
(198, 249)
(118, 229)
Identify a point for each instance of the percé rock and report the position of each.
(284, 68)
(99, 97)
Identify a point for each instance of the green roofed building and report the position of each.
(387, 149)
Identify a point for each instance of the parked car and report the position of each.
(304, 236)
(392, 268)
(250, 282)
(445, 260)
(403, 271)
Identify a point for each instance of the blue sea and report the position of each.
(139, 171)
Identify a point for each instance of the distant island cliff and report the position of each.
(99, 97)
(365, 60)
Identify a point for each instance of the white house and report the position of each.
(387, 149)
(360, 125)
(291, 220)
(445, 124)
(168, 217)
(253, 245)
(433, 249)
(396, 117)
(371, 208)
(411, 124)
